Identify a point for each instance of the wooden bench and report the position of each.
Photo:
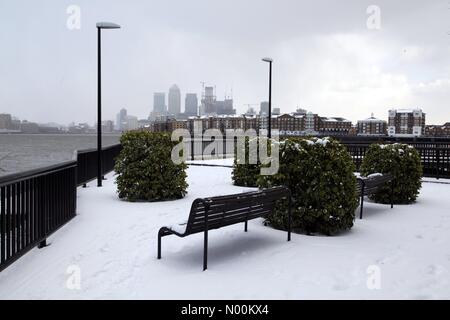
(217, 212)
(370, 185)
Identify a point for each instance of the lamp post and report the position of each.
(269, 60)
(100, 26)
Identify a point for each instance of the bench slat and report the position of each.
(231, 209)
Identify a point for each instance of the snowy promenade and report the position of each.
(113, 243)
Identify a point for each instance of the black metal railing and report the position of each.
(36, 203)
(33, 205)
(434, 153)
(435, 157)
(87, 162)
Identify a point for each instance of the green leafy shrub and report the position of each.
(145, 170)
(400, 160)
(319, 173)
(245, 174)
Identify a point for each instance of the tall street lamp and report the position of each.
(269, 60)
(100, 26)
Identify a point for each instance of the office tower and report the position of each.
(159, 102)
(191, 104)
(174, 100)
(264, 109)
(121, 119)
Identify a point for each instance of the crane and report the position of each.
(249, 107)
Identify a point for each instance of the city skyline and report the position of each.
(325, 60)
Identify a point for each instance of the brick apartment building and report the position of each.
(335, 126)
(371, 127)
(287, 124)
(406, 122)
(438, 130)
(168, 125)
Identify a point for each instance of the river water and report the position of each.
(20, 152)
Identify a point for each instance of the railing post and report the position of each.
(192, 147)
(2, 225)
(438, 162)
(42, 244)
(205, 244)
(224, 145)
(289, 216)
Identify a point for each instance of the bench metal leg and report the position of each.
(362, 201)
(205, 251)
(159, 244)
(361, 207)
(246, 226)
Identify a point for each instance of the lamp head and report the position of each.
(107, 25)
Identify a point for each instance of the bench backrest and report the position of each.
(372, 184)
(227, 210)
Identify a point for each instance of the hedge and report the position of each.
(145, 170)
(400, 160)
(245, 174)
(319, 173)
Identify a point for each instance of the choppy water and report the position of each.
(20, 152)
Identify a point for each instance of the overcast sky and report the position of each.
(326, 59)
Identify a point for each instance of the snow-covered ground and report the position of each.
(112, 244)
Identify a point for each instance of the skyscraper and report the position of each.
(159, 102)
(121, 119)
(264, 110)
(191, 104)
(174, 100)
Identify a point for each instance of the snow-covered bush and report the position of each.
(245, 174)
(145, 170)
(319, 173)
(400, 160)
